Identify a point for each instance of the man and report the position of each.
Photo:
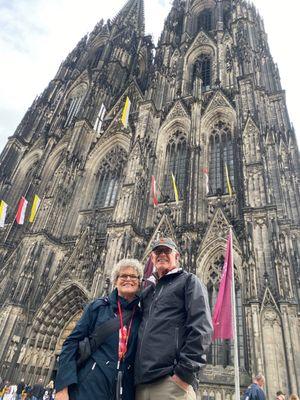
(20, 388)
(255, 391)
(175, 332)
(38, 391)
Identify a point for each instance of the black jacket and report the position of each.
(90, 382)
(176, 329)
(38, 391)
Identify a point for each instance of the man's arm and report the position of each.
(199, 330)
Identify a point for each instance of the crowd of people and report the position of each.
(22, 391)
(138, 344)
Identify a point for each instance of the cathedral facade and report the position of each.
(206, 103)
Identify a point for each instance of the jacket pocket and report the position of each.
(177, 387)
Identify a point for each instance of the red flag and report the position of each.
(21, 211)
(222, 315)
(153, 191)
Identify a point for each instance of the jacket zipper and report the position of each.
(153, 301)
(176, 344)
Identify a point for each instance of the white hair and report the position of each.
(125, 263)
(260, 377)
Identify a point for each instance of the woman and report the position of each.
(97, 378)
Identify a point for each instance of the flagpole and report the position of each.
(236, 351)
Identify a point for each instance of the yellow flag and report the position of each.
(34, 208)
(175, 189)
(125, 112)
(3, 209)
(228, 181)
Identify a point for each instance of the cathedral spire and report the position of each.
(132, 14)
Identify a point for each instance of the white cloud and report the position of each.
(37, 35)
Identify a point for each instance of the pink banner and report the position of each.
(222, 315)
(153, 191)
(148, 271)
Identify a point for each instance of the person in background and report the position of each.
(38, 390)
(280, 395)
(293, 397)
(10, 392)
(20, 388)
(255, 390)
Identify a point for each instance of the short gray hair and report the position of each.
(124, 263)
(260, 377)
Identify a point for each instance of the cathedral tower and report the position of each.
(208, 101)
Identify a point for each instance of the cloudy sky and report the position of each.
(36, 35)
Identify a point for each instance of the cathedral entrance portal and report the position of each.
(65, 333)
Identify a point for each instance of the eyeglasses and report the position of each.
(128, 276)
(160, 250)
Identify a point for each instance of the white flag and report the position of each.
(100, 119)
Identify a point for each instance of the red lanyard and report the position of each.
(124, 333)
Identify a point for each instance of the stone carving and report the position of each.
(218, 101)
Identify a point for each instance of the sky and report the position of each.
(37, 35)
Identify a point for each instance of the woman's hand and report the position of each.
(62, 394)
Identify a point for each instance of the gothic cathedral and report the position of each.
(206, 104)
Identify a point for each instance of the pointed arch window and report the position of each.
(220, 155)
(221, 351)
(176, 163)
(202, 70)
(205, 21)
(227, 19)
(109, 178)
(75, 101)
(96, 57)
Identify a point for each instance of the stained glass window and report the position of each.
(220, 155)
(202, 69)
(176, 163)
(109, 178)
(205, 21)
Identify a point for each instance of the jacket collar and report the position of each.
(153, 279)
(113, 299)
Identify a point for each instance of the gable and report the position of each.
(202, 40)
(113, 117)
(218, 101)
(250, 127)
(217, 233)
(164, 229)
(269, 301)
(178, 110)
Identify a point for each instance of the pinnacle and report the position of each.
(133, 12)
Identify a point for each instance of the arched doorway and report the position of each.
(52, 324)
(70, 325)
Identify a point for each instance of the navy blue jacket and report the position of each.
(254, 392)
(97, 378)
